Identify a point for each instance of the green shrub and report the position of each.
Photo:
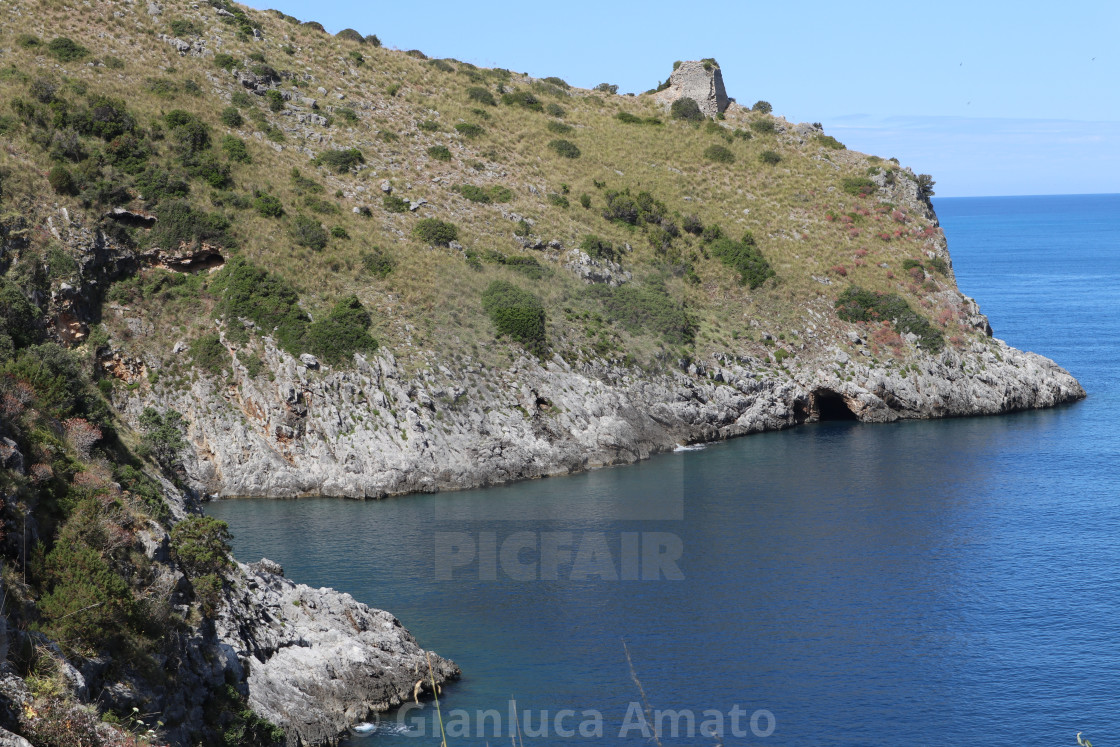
(560, 82)
(499, 193)
(225, 61)
(309, 232)
(242, 100)
(373, 41)
(764, 126)
(910, 264)
(585, 201)
(693, 225)
(565, 148)
(200, 545)
(28, 41)
(686, 109)
(925, 186)
(828, 141)
(351, 35)
(769, 157)
(392, 89)
(62, 181)
(516, 313)
(481, 96)
(266, 73)
(249, 292)
(395, 204)
(339, 232)
(858, 305)
(347, 114)
(179, 223)
(231, 117)
(157, 184)
(939, 265)
(524, 99)
(858, 186)
(189, 134)
(210, 355)
(719, 154)
(341, 333)
(235, 149)
(762, 107)
(435, 231)
(554, 110)
(275, 100)
(86, 603)
(428, 125)
(377, 262)
(745, 258)
(468, 129)
(622, 207)
(560, 128)
(607, 88)
(417, 54)
(163, 437)
(340, 160)
(598, 248)
(105, 118)
(474, 193)
(558, 200)
(183, 27)
(442, 65)
(64, 49)
(268, 206)
(440, 152)
(646, 308)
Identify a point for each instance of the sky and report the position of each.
(990, 97)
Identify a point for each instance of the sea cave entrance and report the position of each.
(829, 405)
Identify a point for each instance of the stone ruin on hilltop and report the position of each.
(699, 80)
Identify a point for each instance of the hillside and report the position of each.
(241, 256)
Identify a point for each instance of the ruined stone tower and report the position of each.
(701, 81)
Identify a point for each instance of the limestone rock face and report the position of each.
(318, 661)
(693, 80)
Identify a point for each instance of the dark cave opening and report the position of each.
(831, 406)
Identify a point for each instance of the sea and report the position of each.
(921, 583)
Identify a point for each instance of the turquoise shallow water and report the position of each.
(917, 583)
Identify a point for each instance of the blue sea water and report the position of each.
(944, 582)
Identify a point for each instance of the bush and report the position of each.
(633, 210)
(274, 99)
(340, 160)
(309, 232)
(200, 545)
(558, 200)
(693, 225)
(440, 152)
(468, 130)
(585, 201)
(554, 110)
(231, 117)
(246, 291)
(417, 54)
(764, 126)
(343, 332)
(925, 186)
(745, 258)
(346, 114)
(516, 313)
(719, 154)
(86, 603)
(560, 128)
(762, 107)
(565, 148)
(339, 232)
(428, 125)
(939, 265)
(225, 61)
(210, 355)
(28, 41)
(858, 305)
(686, 109)
(179, 223)
(105, 118)
(828, 141)
(62, 181)
(190, 135)
(858, 186)
(598, 248)
(268, 206)
(395, 204)
(378, 263)
(373, 41)
(64, 49)
(646, 308)
(436, 232)
(769, 157)
(524, 99)
(183, 27)
(481, 95)
(235, 149)
(607, 88)
(351, 35)
(157, 184)
(474, 193)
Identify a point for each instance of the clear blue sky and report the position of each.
(990, 97)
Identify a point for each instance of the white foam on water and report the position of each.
(690, 447)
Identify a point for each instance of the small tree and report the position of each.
(925, 186)
(686, 109)
(762, 107)
(200, 545)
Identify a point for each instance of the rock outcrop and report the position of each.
(317, 661)
(701, 81)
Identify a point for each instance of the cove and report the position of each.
(863, 584)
